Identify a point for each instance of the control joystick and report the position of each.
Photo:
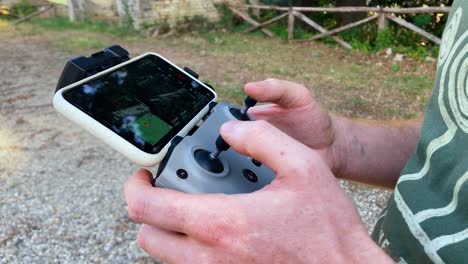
(242, 113)
(210, 161)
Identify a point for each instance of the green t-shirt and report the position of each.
(426, 221)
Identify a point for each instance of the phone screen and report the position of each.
(147, 101)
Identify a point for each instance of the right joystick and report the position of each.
(242, 114)
(210, 161)
(248, 102)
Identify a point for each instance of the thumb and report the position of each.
(264, 142)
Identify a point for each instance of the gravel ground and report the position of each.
(61, 190)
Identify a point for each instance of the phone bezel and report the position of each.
(112, 138)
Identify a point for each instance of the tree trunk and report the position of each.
(346, 18)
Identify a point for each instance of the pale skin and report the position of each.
(303, 216)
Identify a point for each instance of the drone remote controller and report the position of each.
(204, 163)
(192, 161)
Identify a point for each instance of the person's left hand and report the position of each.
(303, 216)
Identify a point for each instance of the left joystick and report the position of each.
(210, 161)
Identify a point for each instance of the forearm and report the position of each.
(373, 152)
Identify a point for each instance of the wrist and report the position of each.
(339, 147)
(360, 248)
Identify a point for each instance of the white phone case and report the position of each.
(110, 137)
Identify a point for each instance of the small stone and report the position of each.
(399, 57)
(388, 52)
(109, 246)
(429, 59)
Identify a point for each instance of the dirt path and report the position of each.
(61, 197)
(60, 189)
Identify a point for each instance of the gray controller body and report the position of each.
(180, 171)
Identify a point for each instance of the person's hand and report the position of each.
(303, 216)
(295, 111)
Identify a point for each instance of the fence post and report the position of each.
(382, 21)
(290, 24)
(71, 11)
(256, 11)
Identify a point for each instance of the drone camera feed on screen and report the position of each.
(147, 102)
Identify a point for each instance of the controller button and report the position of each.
(250, 175)
(256, 162)
(181, 173)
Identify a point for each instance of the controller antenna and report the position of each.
(221, 145)
(248, 102)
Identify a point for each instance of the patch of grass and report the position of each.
(398, 113)
(22, 8)
(408, 84)
(234, 95)
(82, 43)
(395, 67)
(358, 102)
(392, 112)
(64, 24)
(350, 77)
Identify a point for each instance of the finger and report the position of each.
(264, 142)
(168, 246)
(266, 112)
(283, 93)
(171, 210)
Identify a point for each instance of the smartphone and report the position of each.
(137, 107)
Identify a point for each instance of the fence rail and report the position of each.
(382, 15)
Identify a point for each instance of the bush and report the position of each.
(22, 8)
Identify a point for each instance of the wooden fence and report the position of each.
(382, 15)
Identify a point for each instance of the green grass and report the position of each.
(395, 67)
(410, 85)
(358, 102)
(234, 95)
(78, 43)
(64, 24)
(398, 113)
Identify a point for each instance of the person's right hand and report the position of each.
(295, 111)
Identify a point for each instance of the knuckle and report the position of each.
(183, 218)
(303, 90)
(219, 230)
(256, 132)
(304, 95)
(136, 209)
(216, 234)
(259, 127)
(272, 81)
(226, 237)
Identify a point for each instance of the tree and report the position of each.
(410, 3)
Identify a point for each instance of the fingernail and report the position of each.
(249, 84)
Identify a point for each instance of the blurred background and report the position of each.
(61, 189)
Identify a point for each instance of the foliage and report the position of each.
(20, 9)
(384, 39)
(409, 3)
(366, 37)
